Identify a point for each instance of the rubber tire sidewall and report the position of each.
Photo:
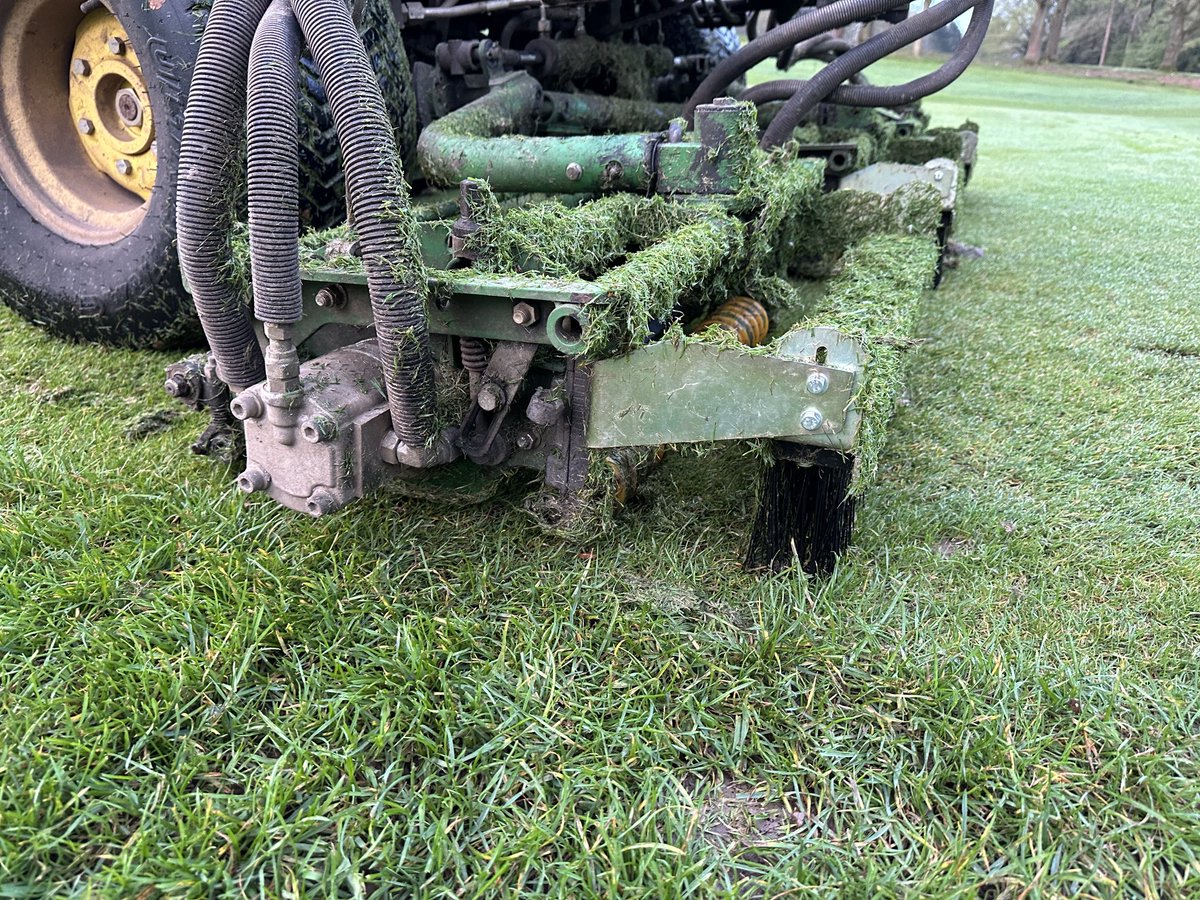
(128, 293)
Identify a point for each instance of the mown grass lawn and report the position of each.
(997, 693)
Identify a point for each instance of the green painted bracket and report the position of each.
(690, 392)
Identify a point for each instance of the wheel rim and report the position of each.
(77, 142)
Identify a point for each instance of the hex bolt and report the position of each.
(331, 297)
(177, 386)
(817, 383)
(254, 480)
(811, 419)
(938, 176)
(490, 398)
(574, 171)
(526, 440)
(87, 126)
(116, 46)
(81, 67)
(524, 314)
(124, 167)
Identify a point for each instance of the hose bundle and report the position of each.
(266, 37)
(208, 175)
(826, 82)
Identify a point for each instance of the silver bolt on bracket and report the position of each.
(812, 419)
(817, 383)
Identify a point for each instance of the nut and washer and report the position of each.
(817, 383)
(331, 297)
(177, 386)
(524, 314)
(811, 419)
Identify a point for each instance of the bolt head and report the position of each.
(574, 171)
(938, 176)
(81, 67)
(812, 419)
(129, 107)
(177, 386)
(526, 440)
(817, 383)
(524, 314)
(253, 480)
(490, 398)
(116, 46)
(330, 298)
(87, 126)
(124, 167)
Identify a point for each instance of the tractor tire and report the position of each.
(83, 255)
(87, 187)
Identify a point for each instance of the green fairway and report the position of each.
(997, 694)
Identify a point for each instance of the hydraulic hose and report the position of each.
(827, 80)
(380, 209)
(784, 37)
(209, 168)
(912, 91)
(273, 163)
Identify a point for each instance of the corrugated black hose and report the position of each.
(889, 95)
(826, 81)
(209, 168)
(784, 37)
(379, 206)
(939, 79)
(273, 166)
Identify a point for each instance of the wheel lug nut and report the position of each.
(82, 68)
(87, 126)
(116, 46)
(124, 167)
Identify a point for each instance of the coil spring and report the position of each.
(474, 354)
(744, 316)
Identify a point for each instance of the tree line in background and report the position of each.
(1161, 34)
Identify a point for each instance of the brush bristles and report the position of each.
(805, 515)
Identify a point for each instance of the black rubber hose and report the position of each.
(784, 37)
(273, 165)
(827, 80)
(380, 209)
(768, 91)
(209, 169)
(912, 91)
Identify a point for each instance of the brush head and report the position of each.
(805, 511)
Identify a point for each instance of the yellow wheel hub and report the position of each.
(110, 104)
